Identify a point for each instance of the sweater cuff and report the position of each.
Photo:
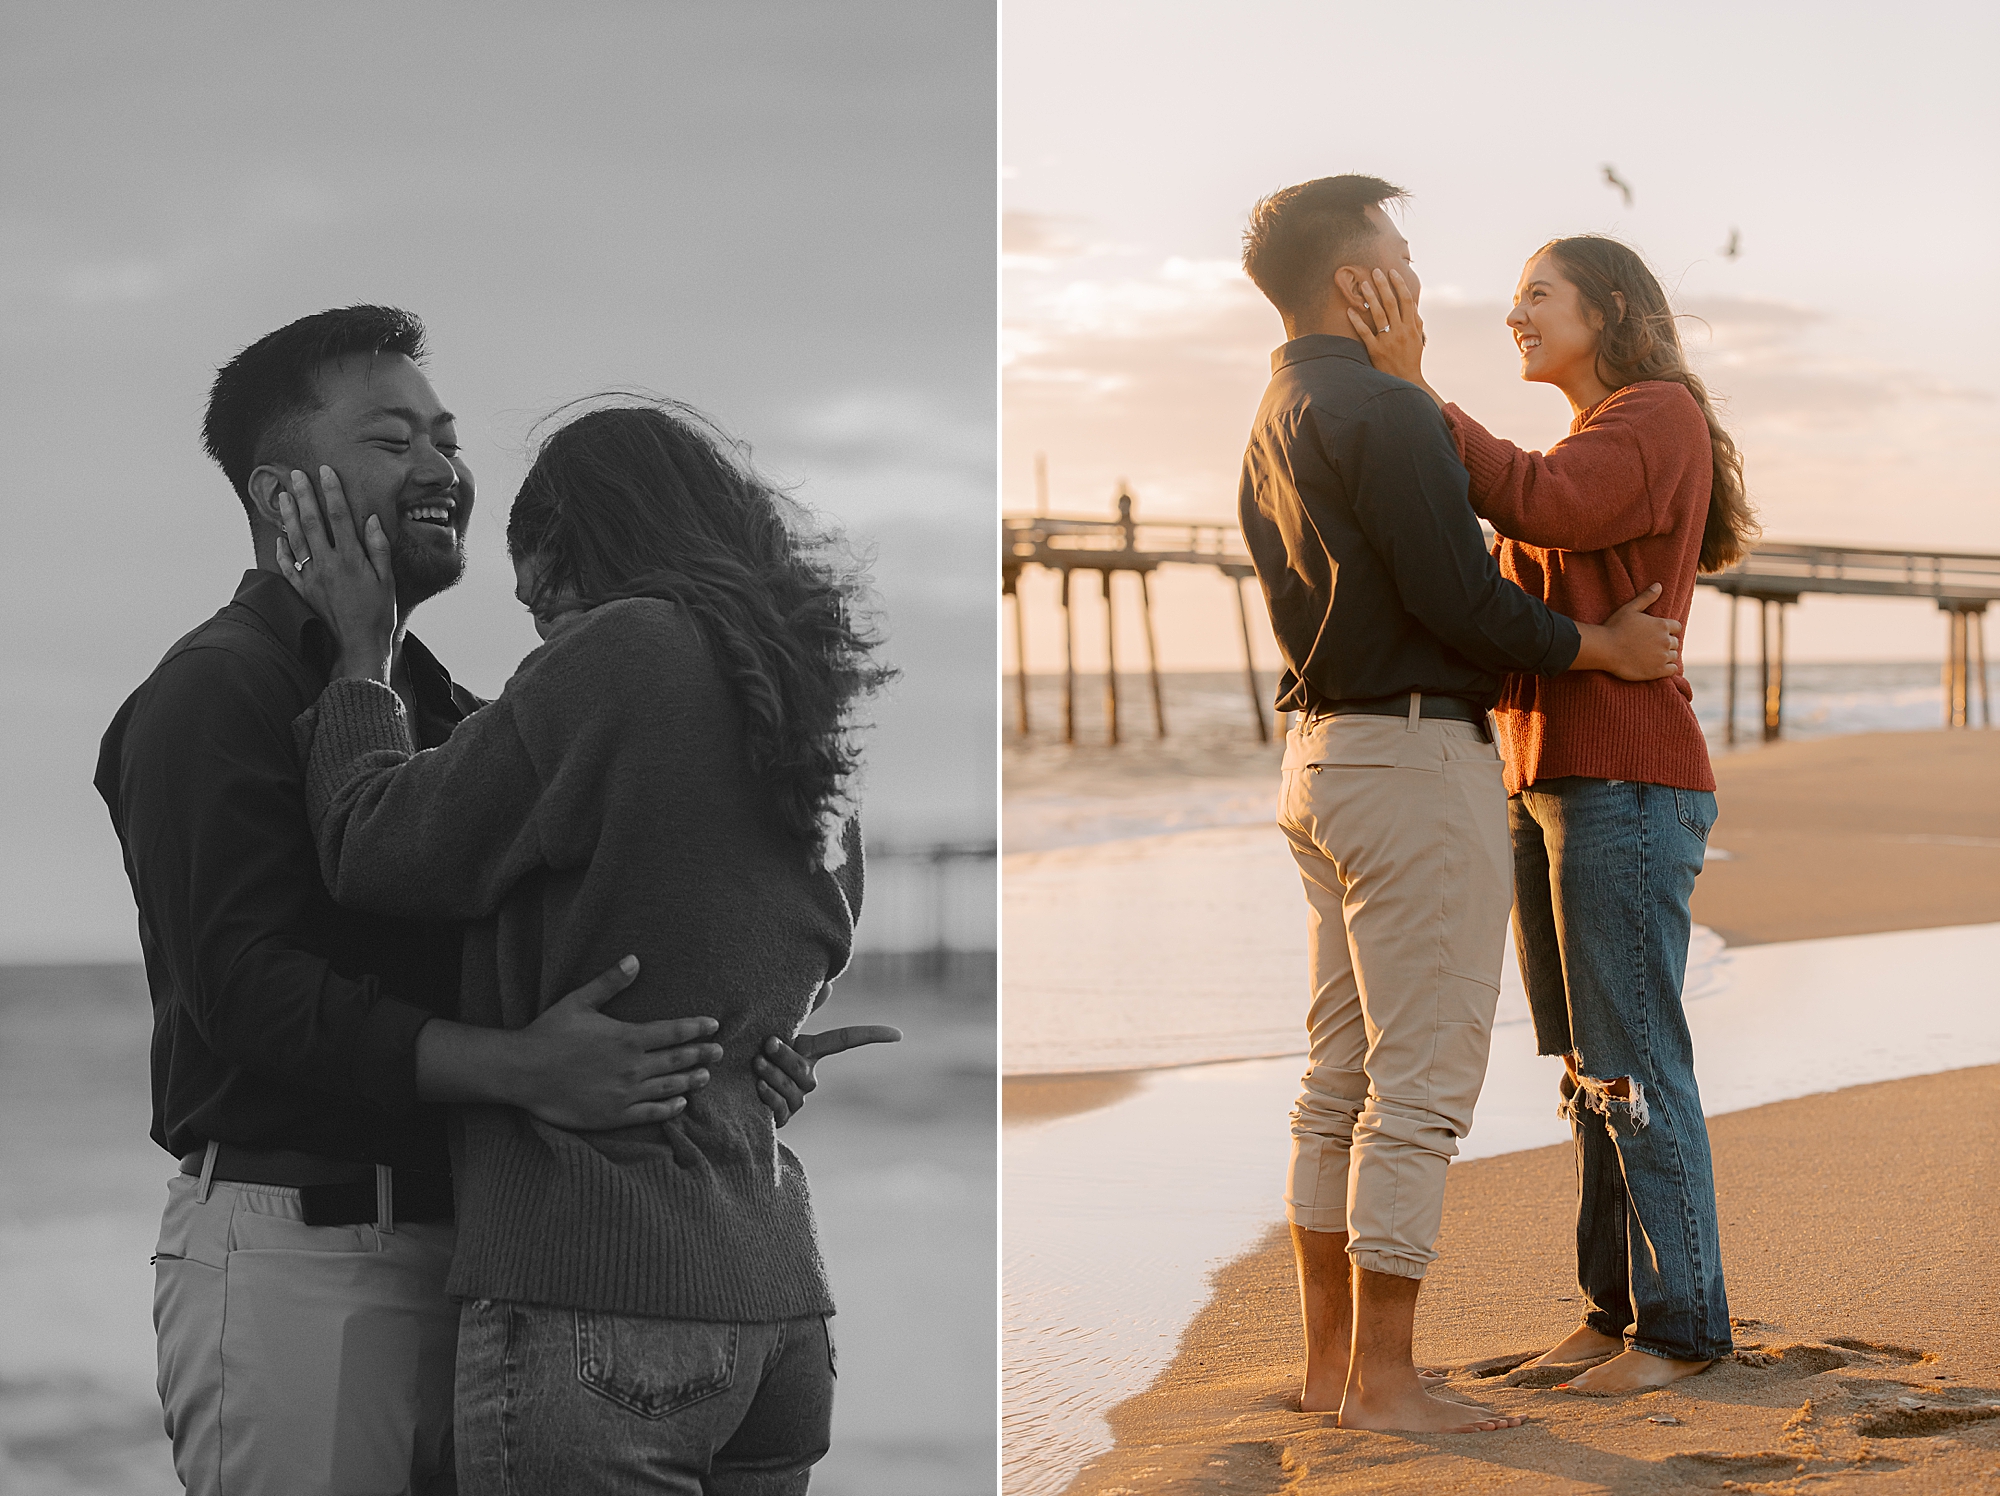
(1486, 456)
(352, 719)
(385, 1054)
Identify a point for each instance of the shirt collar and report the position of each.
(285, 614)
(1318, 345)
(288, 616)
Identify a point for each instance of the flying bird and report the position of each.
(1611, 176)
(1735, 246)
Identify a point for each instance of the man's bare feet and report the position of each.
(1583, 1346)
(1315, 1399)
(1630, 1371)
(1413, 1410)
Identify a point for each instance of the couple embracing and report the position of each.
(474, 1022)
(1477, 732)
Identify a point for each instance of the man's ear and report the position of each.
(266, 483)
(1348, 282)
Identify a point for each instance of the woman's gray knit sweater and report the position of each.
(604, 805)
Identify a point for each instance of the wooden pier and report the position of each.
(1775, 575)
(1069, 544)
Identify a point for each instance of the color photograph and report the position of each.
(497, 914)
(1500, 817)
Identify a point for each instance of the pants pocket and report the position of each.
(1696, 809)
(832, 1355)
(654, 1367)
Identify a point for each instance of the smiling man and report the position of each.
(301, 1050)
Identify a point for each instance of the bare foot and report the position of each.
(1327, 1399)
(1630, 1371)
(1583, 1346)
(1416, 1411)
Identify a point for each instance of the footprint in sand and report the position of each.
(1875, 1348)
(1929, 1418)
(1793, 1360)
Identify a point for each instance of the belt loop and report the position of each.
(385, 1199)
(1416, 710)
(207, 1170)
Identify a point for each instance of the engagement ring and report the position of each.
(300, 564)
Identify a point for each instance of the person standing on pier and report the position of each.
(1611, 794)
(1396, 629)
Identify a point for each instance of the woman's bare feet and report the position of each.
(1630, 1371)
(1583, 1346)
(1414, 1410)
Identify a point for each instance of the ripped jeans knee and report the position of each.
(1620, 1100)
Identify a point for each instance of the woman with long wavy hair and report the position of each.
(1611, 795)
(667, 776)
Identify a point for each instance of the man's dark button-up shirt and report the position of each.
(280, 1020)
(1353, 504)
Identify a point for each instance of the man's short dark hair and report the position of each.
(1298, 236)
(263, 396)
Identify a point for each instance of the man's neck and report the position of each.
(266, 556)
(1308, 329)
(1328, 319)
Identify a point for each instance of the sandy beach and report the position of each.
(1853, 1235)
(1860, 1279)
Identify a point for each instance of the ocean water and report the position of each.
(898, 1142)
(1211, 769)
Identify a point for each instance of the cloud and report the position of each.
(1153, 377)
(219, 237)
(1037, 236)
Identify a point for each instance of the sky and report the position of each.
(1852, 341)
(781, 213)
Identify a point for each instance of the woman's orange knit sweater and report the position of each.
(1615, 506)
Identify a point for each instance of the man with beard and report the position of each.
(302, 1053)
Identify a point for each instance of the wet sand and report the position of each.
(1845, 836)
(1857, 1247)
(1847, 1217)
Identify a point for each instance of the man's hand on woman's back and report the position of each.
(573, 1067)
(1632, 644)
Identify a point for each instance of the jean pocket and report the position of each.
(653, 1367)
(832, 1355)
(1696, 808)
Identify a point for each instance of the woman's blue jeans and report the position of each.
(1603, 871)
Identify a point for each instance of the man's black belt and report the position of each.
(1450, 708)
(332, 1191)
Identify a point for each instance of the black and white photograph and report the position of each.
(498, 846)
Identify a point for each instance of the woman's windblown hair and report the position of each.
(1640, 341)
(648, 499)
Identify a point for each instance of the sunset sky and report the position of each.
(1853, 339)
(782, 213)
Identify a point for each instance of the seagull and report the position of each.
(1734, 247)
(1611, 176)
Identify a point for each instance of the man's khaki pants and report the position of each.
(1399, 827)
(307, 1360)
